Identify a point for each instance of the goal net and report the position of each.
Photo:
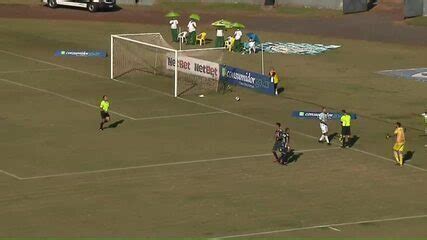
(147, 59)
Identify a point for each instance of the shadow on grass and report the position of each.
(352, 141)
(332, 136)
(408, 156)
(292, 157)
(116, 124)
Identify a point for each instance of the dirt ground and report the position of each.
(382, 26)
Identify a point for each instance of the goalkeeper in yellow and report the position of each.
(399, 146)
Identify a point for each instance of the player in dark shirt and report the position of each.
(285, 148)
(278, 141)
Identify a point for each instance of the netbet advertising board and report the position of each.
(194, 66)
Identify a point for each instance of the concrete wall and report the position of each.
(425, 7)
(354, 6)
(413, 8)
(328, 4)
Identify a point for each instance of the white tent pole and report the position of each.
(176, 74)
(262, 59)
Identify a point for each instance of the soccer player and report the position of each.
(105, 116)
(345, 128)
(399, 146)
(286, 139)
(323, 118)
(278, 141)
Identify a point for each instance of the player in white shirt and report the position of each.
(323, 118)
(237, 40)
(192, 32)
(174, 29)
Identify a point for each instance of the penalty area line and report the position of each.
(178, 116)
(61, 96)
(163, 165)
(331, 226)
(10, 175)
(32, 70)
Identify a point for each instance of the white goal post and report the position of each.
(146, 58)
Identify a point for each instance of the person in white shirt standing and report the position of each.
(323, 118)
(237, 40)
(219, 41)
(192, 32)
(174, 29)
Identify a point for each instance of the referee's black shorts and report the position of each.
(345, 131)
(104, 115)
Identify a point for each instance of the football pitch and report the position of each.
(202, 167)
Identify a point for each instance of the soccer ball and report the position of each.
(237, 98)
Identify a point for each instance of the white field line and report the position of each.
(32, 70)
(117, 113)
(322, 226)
(10, 175)
(335, 229)
(162, 165)
(197, 103)
(387, 159)
(407, 69)
(61, 96)
(178, 116)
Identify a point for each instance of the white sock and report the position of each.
(327, 139)
(321, 138)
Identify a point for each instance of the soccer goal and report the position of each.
(147, 59)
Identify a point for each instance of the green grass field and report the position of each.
(192, 167)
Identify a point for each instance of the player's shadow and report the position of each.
(293, 157)
(116, 124)
(408, 156)
(280, 90)
(352, 141)
(332, 136)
